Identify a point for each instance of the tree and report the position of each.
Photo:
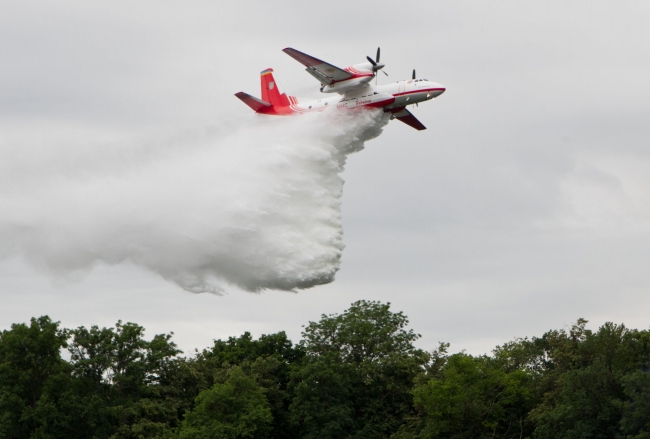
(588, 380)
(473, 397)
(356, 378)
(30, 360)
(268, 360)
(635, 423)
(135, 385)
(234, 409)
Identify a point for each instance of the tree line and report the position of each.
(356, 374)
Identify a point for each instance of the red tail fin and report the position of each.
(270, 92)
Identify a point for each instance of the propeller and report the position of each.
(376, 66)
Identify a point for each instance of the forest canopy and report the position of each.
(356, 374)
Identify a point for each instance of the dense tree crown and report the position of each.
(353, 375)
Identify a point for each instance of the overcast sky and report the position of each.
(524, 205)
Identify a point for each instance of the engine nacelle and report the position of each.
(347, 85)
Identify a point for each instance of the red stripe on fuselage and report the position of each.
(424, 90)
(380, 104)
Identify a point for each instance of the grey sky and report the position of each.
(525, 205)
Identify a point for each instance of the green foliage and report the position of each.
(268, 360)
(117, 384)
(473, 397)
(585, 382)
(354, 375)
(137, 383)
(356, 378)
(235, 409)
(635, 423)
(30, 366)
(367, 332)
(236, 350)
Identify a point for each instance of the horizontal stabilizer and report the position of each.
(403, 115)
(257, 105)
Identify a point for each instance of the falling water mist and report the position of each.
(252, 202)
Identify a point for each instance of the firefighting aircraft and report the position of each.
(354, 88)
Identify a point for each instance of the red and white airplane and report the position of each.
(353, 85)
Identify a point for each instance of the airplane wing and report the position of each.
(326, 73)
(403, 115)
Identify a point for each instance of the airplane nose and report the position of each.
(437, 91)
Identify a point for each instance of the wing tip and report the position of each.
(405, 116)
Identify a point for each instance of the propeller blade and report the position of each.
(375, 65)
(384, 73)
(413, 73)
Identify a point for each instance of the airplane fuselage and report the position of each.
(398, 94)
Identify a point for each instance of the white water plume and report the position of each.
(252, 202)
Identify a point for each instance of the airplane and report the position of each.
(353, 85)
